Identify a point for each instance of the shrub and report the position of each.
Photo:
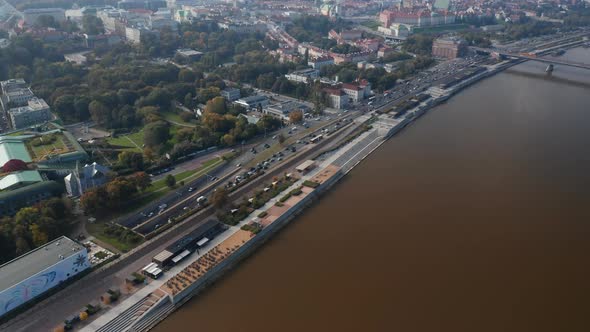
(262, 214)
(311, 184)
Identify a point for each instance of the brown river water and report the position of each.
(474, 218)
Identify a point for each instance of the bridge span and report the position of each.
(537, 55)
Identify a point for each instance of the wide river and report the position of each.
(474, 218)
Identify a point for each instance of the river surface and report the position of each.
(474, 218)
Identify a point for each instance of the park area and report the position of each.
(133, 141)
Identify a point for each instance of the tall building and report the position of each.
(37, 111)
(449, 48)
(15, 93)
(34, 273)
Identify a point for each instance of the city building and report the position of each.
(420, 17)
(12, 200)
(162, 19)
(189, 54)
(15, 93)
(230, 94)
(77, 58)
(398, 30)
(338, 99)
(32, 15)
(243, 26)
(21, 185)
(102, 40)
(252, 101)
(37, 111)
(449, 48)
(34, 273)
(318, 63)
(303, 76)
(283, 109)
(84, 178)
(353, 91)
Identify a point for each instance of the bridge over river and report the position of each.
(537, 55)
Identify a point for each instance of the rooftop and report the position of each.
(13, 148)
(36, 261)
(23, 177)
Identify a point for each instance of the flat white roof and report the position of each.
(37, 260)
(202, 241)
(164, 255)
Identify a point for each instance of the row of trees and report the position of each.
(114, 195)
(32, 227)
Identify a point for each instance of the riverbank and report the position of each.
(330, 171)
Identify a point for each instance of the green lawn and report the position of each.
(132, 141)
(175, 117)
(97, 230)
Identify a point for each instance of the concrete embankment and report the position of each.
(350, 156)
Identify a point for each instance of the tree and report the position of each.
(130, 160)
(186, 75)
(39, 237)
(219, 198)
(282, 138)
(92, 25)
(216, 105)
(170, 180)
(296, 116)
(141, 180)
(100, 113)
(156, 133)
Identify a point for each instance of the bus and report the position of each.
(372, 98)
(316, 139)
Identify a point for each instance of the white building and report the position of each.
(37, 111)
(338, 99)
(320, 62)
(303, 76)
(252, 101)
(399, 30)
(34, 273)
(15, 93)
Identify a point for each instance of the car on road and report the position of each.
(190, 189)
